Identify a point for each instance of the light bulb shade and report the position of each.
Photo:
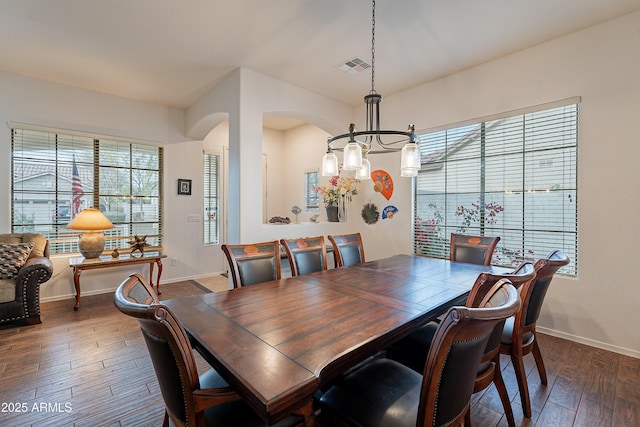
(90, 219)
(410, 157)
(352, 157)
(364, 172)
(408, 172)
(330, 164)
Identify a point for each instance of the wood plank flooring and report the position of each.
(91, 368)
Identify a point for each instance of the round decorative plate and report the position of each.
(370, 213)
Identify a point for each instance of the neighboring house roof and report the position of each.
(435, 159)
(27, 171)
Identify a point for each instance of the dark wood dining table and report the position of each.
(279, 342)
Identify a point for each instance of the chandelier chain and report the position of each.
(373, 48)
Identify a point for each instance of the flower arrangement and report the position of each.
(338, 187)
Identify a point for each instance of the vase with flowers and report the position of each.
(337, 195)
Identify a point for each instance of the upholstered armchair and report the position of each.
(24, 266)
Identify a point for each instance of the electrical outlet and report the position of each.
(174, 261)
(193, 218)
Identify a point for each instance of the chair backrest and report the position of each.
(168, 346)
(347, 249)
(454, 356)
(253, 262)
(483, 288)
(533, 294)
(306, 255)
(472, 249)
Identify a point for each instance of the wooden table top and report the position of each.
(277, 342)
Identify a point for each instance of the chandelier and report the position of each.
(359, 144)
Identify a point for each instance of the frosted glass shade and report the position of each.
(365, 171)
(352, 157)
(330, 164)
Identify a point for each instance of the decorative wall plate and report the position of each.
(370, 213)
(382, 183)
(389, 211)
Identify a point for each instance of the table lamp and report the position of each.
(91, 221)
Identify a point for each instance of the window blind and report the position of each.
(211, 198)
(310, 193)
(56, 174)
(513, 177)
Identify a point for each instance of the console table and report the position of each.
(81, 263)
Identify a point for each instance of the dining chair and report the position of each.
(519, 335)
(190, 399)
(412, 350)
(347, 249)
(387, 393)
(472, 249)
(306, 255)
(253, 263)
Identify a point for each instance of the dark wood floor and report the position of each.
(91, 368)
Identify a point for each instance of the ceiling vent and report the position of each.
(354, 66)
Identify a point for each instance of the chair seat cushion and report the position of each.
(12, 258)
(237, 413)
(7, 290)
(383, 393)
(507, 332)
(412, 350)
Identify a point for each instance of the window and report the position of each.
(310, 194)
(56, 175)
(211, 198)
(512, 176)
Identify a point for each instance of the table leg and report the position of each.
(76, 281)
(307, 412)
(159, 262)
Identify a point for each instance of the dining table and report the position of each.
(279, 343)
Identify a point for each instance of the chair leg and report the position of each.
(165, 423)
(537, 355)
(502, 391)
(521, 375)
(467, 417)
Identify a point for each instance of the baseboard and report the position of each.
(592, 343)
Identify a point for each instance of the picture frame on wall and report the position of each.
(184, 186)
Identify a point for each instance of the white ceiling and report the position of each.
(171, 52)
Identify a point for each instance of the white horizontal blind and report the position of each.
(513, 177)
(53, 170)
(310, 193)
(211, 198)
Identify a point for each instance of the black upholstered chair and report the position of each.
(412, 350)
(191, 400)
(347, 249)
(306, 255)
(24, 267)
(253, 262)
(386, 393)
(519, 336)
(472, 249)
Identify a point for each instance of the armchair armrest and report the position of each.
(33, 273)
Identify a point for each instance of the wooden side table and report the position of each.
(81, 263)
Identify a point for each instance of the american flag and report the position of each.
(76, 191)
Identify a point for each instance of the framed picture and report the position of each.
(184, 186)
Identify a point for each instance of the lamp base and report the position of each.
(91, 244)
